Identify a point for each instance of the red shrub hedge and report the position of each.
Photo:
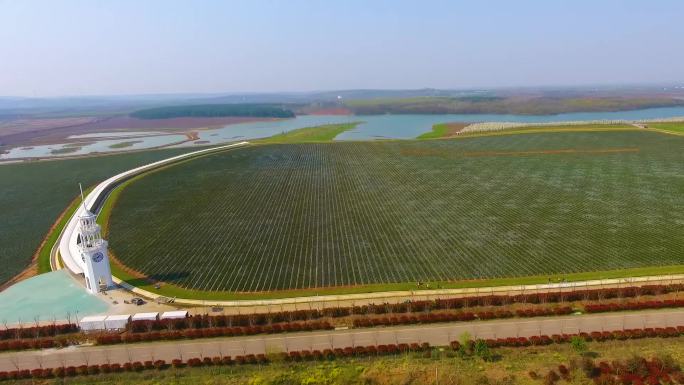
(599, 308)
(358, 351)
(37, 331)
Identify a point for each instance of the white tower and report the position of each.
(93, 248)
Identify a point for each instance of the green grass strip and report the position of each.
(439, 130)
(673, 127)
(53, 235)
(324, 133)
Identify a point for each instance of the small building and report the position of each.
(93, 323)
(145, 316)
(117, 322)
(177, 314)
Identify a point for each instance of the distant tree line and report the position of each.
(214, 110)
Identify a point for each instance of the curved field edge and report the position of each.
(139, 280)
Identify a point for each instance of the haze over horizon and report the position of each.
(72, 48)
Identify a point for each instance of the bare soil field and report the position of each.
(24, 131)
(452, 129)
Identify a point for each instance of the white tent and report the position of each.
(93, 322)
(174, 314)
(114, 322)
(145, 316)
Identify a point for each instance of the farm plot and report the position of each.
(273, 217)
(32, 195)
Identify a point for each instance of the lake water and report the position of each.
(92, 144)
(372, 127)
(410, 126)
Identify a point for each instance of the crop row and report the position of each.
(320, 215)
(35, 193)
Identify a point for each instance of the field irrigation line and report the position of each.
(68, 248)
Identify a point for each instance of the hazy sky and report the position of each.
(60, 47)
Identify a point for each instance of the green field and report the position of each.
(324, 133)
(676, 127)
(300, 216)
(32, 195)
(440, 130)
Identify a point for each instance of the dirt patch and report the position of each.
(15, 126)
(454, 129)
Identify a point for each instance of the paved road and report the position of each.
(435, 334)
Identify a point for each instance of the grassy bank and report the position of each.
(673, 127)
(324, 133)
(125, 144)
(53, 235)
(510, 366)
(440, 130)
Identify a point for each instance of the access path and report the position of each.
(435, 334)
